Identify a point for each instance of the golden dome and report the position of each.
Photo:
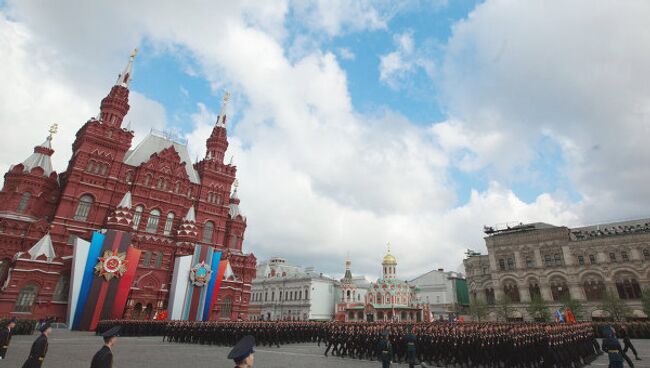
(389, 260)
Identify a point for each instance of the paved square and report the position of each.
(75, 350)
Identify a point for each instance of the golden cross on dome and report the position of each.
(388, 246)
(53, 129)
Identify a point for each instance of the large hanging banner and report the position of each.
(195, 284)
(102, 273)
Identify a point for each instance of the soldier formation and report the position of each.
(437, 343)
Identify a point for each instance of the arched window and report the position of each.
(137, 216)
(159, 259)
(91, 165)
(646, 254)
(146, 260)
(594, 288)
(147, 180)
(208, 230)
(226, 307)
(178, 187)
(26, 298)
(489, 296)
(104, 169)
(348, 295)
(628, 287)
(24, 200)
(169, 223)
(152, 223)
(129, 177)
(306, 294)
(534, 290)
(83, 207)
(511, 290)
(61, 289)
(300, 295)
(161, 183)
(560, 290)
(210, 197)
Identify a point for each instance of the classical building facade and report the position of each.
(282, 291)
(557, 262)
(444, 291)
(175, 203)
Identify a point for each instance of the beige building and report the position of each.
(557, 262)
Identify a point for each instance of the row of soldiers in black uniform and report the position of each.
(442, 343)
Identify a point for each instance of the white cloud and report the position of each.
(346, 54)
(581, 79)
(397, 67)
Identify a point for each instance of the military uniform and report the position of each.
(5, 338)
(38, 351)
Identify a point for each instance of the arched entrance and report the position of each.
(137, 311)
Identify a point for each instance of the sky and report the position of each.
(358, 123)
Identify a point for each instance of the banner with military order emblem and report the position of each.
(195, 283)
(101, 277)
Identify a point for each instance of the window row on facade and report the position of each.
(595, 289)
(153, 220)
(28, 294)
(288, 295)
(557, 260)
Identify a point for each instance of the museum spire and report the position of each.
(125, 77)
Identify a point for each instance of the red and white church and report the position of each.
(152, 190)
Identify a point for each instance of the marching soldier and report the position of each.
(104, 357)
(39, 348)
(5, 337)
(411, 354)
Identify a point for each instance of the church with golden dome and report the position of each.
(387, 299)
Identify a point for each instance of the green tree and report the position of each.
(538, 309)
(503, 308)
(615, 307)
(478, 309)
(576, 307)
(645, 299)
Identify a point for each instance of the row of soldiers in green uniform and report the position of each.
(442, 343)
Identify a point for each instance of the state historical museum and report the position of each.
(174, 205)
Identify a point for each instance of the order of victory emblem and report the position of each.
(111, 264)
(200, 274)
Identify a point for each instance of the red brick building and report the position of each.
(174, 204)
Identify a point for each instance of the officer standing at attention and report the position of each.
(385, 350)
(104, 357)
(243, 351)
(39, 348)
(613, 349)
(5, 337)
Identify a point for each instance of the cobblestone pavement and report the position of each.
(75, 350)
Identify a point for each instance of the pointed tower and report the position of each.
(217, 144)
(187, 232)
(390, 265)
(115, 106)
(122, 216)
(236, 223)
(31, 188)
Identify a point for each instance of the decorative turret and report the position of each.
(217, 144)
(116, 105)
(31, 187)
(389, 264)
(187, 231)
(347, 279)
(42, 155)
(234, 203)
(42, 250)
(122, 216)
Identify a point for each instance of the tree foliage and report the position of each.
(538, 309)
(503, 308)
(615, 307)
(645, 300)
(478, 309)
